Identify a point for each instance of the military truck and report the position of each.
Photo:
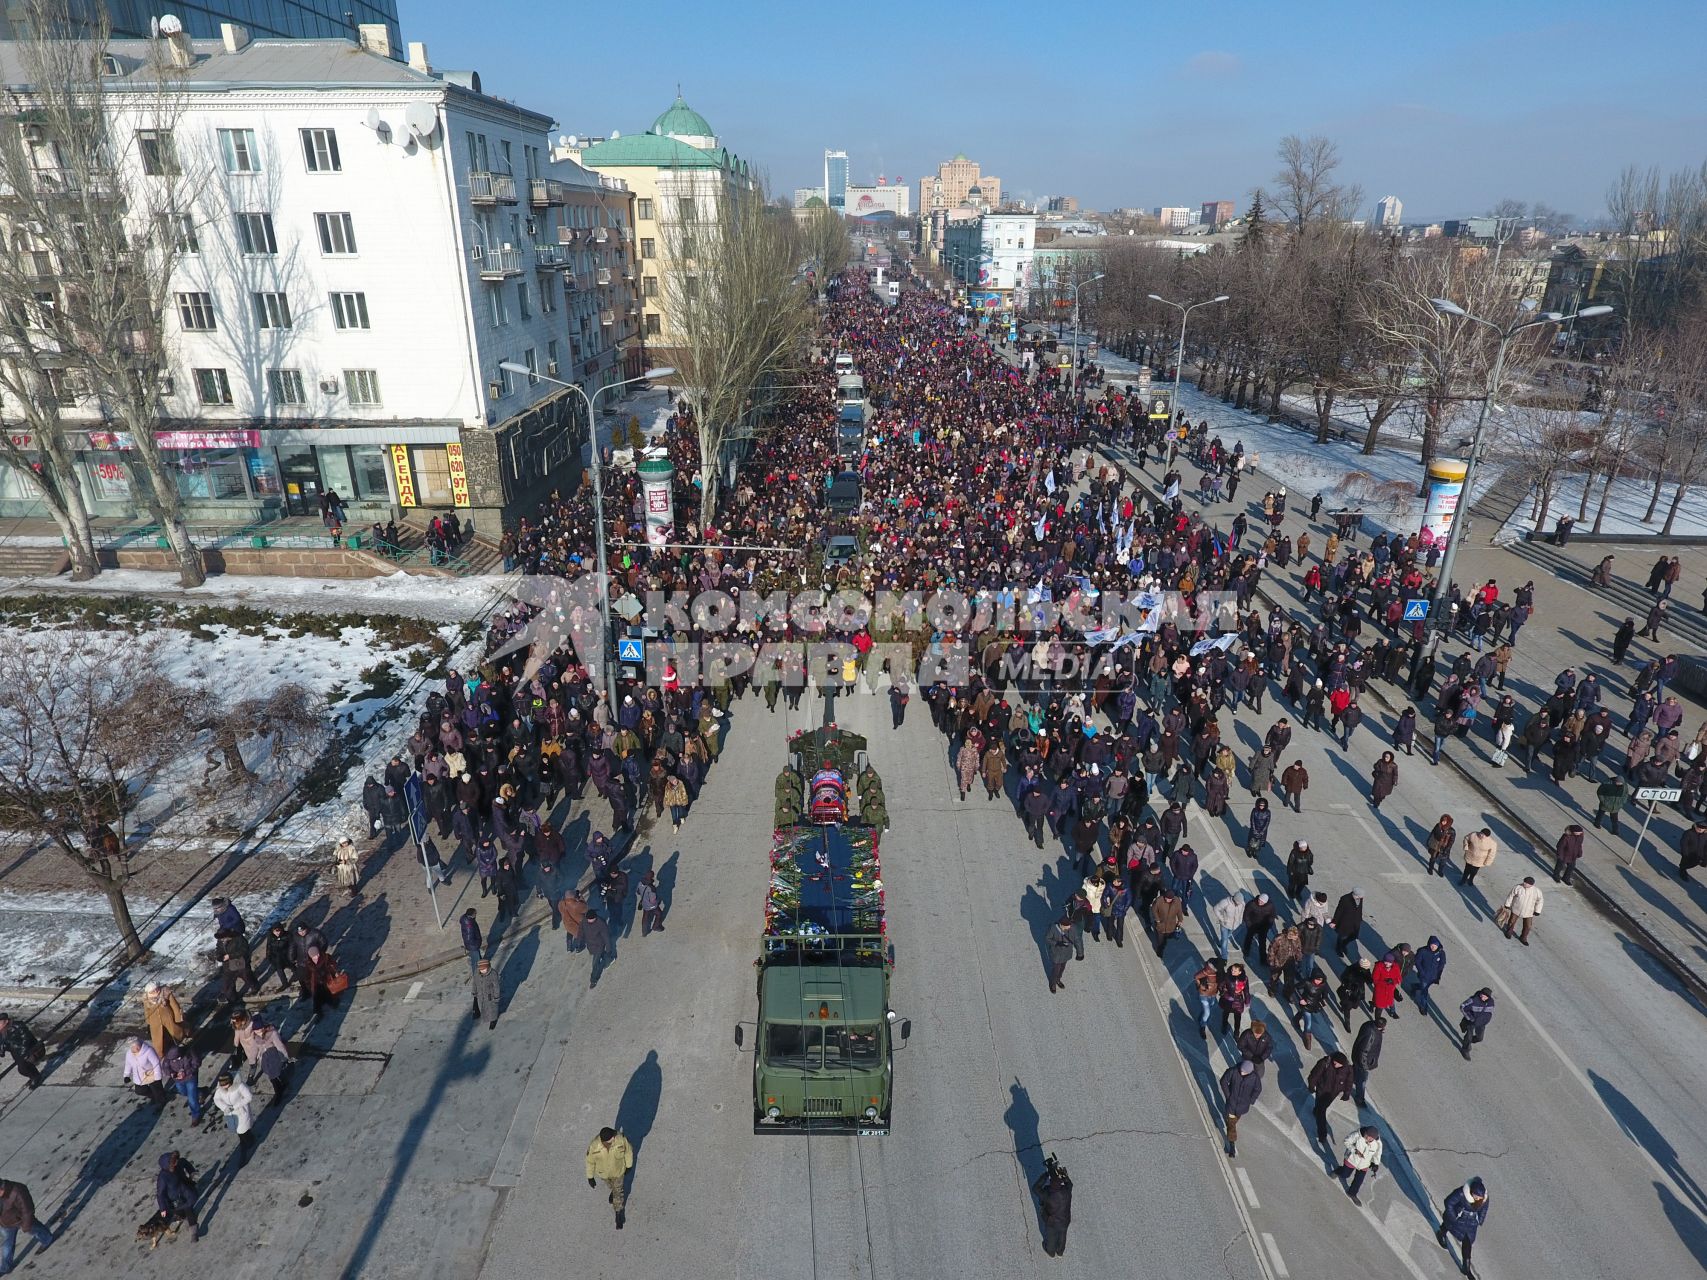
(825, 1033)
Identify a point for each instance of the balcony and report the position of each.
(491, 188)
(603, 277)
(545, 192)
(571, 282)
(601, 235)
(567, 235)
(498, 264)
(549, 257)
(607, 318)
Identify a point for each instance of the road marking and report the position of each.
(1274, 1255)
(1245, 1186)
(414, 990)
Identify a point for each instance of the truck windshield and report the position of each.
(793, 1045)
(854, 1046)
(814, 1048)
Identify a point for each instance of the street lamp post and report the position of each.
(1074, 387)
(1454, 531)
(591, 401)
(1179, 352)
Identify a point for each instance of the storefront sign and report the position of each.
(458, 475)
(405, 477)
(179, 440)
(21, 441)
(1445, 487)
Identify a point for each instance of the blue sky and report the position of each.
(1449, 105)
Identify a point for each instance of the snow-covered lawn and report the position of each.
(1624, 511)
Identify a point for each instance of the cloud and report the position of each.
(1214, 64)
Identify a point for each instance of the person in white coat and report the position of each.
(1362, 1159)
(1228, 914)
(237, 1104)
(1522, 905)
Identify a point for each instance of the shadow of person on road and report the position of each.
(108, 1160)
(1645, 1134)
(638, 1108)
(1039, 912)
(1022, 1120)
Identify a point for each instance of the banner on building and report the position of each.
(404, 476)
(1440, 508)
(656, 477)
(458, 475)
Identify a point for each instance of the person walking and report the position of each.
(1054, 1191)
(1480, 849)
(595, 937)
(1295, 782)
(1384, 777)
(1609, 800)
(347, 867)
(1567, 852)
(1386, 979)
(486, 997)
(1312, 999)
(609, 1158)
(1522, 906)
(1300, 866)
(144, 1072)
(1058, 941)
(165, 1017)
(1226, 916)
(1361, 1159)
(1241, 1086)
(25, 1050)
(237, 1105)
(1260, 917)
(18, 1213)
(265, 1052)
(1366, 1056)
(651, 905)
(175, 1193)
(1235, 997)
(1347, 921)
(1428, 970)
(1331, 1077)
(472, 941)
(1208, 982)
(1166, 913)
(1461, 1217)
(1692, 849)
(573, 909)
(1476, 1013)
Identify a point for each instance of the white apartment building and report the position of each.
(1388, 211)
(369, 239)
(992, 256)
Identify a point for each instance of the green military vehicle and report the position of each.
(825, 1032)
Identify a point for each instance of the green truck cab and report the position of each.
(822, 1053)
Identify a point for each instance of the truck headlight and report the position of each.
(871, 1113)
(773, 1112)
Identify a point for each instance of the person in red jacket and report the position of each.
(1387, 975)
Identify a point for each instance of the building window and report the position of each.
(238, 148)
(499, 305)
(548, 294)
(370, 465)
(523, 307)
(255, 233)
(531, 360)
(180, 230)
(644, 208)
(551, 365)
(504, 150)
(195, 312)
(272, 310)
(337, 234)
(63, 387)
(648, 247)
(649, 287)
(286, 386)
(320, 151)
(154, 146)
(477, 152)
(213, 386)
(349, 311)
(685, 209)
(653, 324)
(362, 386)
(502, 378)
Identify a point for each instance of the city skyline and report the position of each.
(1455, 118)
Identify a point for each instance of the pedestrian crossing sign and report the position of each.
(630, 649)
(1416, 610)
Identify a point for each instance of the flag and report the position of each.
(1049, 481)
(1040, 527)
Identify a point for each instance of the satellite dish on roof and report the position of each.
(615, 134)
(169, 24)
(573, 141)
(373, 121)
(421, 118)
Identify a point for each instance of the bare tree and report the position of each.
(739, 313)
(1305, 190)
(99, 195)
(824, 245)
(86, 722)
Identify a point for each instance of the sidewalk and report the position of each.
(1564, 633)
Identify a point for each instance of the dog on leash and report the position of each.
(158, 1228)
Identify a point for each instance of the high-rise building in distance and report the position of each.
(953, 184)
(1388, 211)
(1215, 212)
(200, 19)
(836, 180)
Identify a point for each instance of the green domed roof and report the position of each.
(815, 202)
(682, 121)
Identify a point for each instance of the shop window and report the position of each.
(210, 474)
(370, 466)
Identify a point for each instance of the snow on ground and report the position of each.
(417, 595)
(1624, 511)
(56, 939)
